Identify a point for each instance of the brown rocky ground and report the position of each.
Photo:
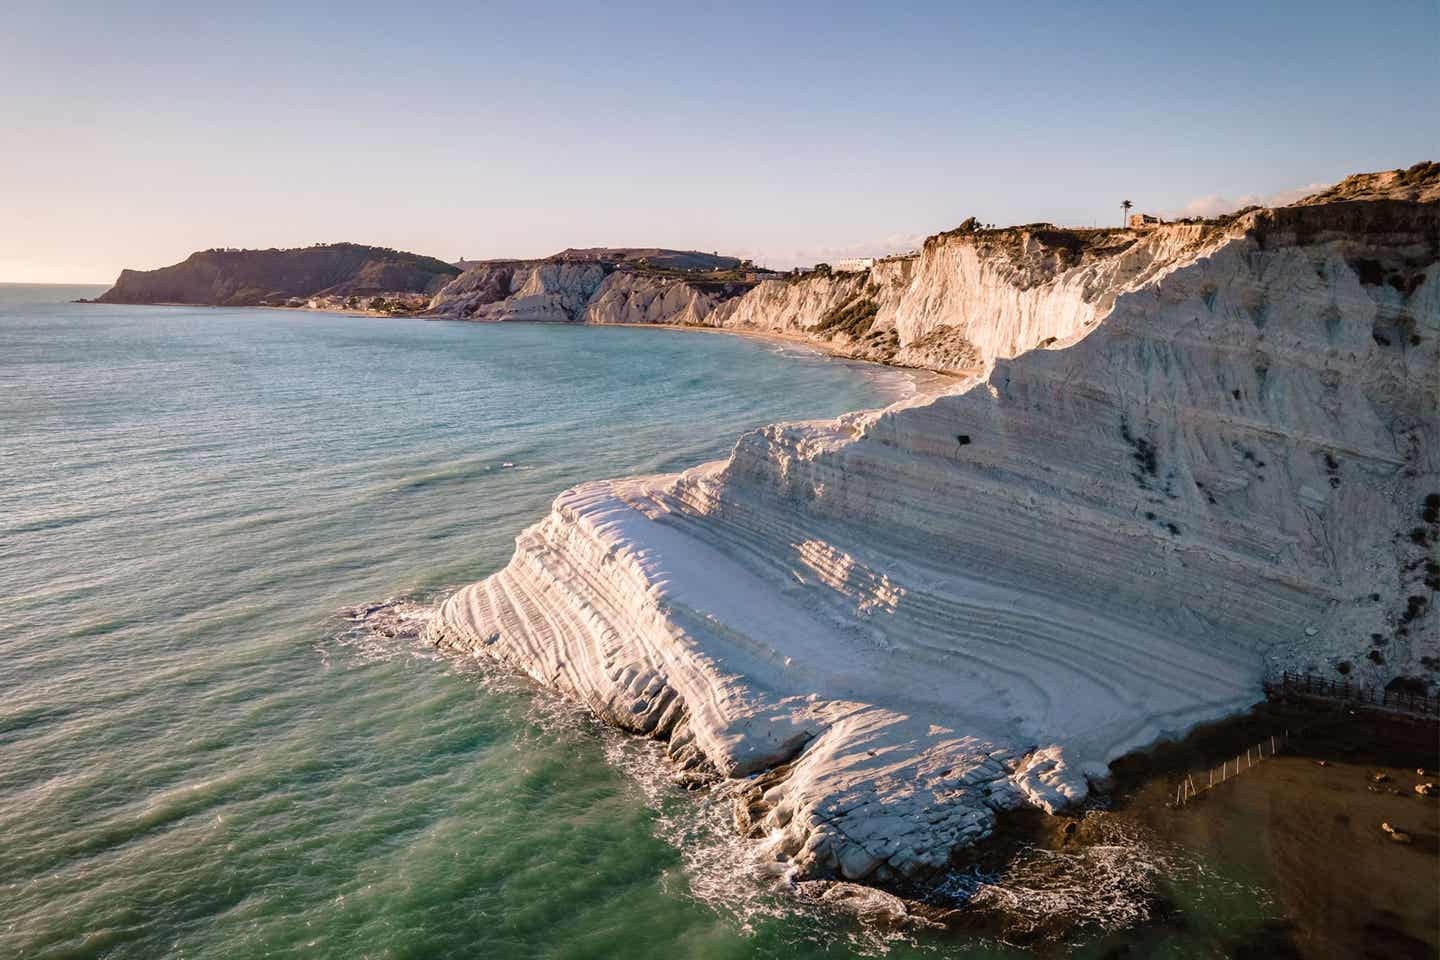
(1292, 859)
(1419, 182)
(1304, 825)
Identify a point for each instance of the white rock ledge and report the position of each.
(902, 622)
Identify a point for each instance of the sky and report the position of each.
(135, 133)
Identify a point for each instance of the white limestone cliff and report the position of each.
(538, 291)
(627, 297)
(578, 292)
(1190, 457)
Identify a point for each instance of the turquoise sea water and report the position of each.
(198, 758)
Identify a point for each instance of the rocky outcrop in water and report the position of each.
(237, 278)
(1188, 457)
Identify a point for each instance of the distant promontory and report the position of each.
(248, 278)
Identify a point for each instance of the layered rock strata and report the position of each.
(1188, 458)
(598, 285)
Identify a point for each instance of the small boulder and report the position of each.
(856, 863)
(869, 905)
(1399, 836)
(694, 779)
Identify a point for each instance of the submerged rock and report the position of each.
(867, 904)
(393, 619)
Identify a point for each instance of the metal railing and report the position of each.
(1187, 789)
(1305, 685)
(1400, 701)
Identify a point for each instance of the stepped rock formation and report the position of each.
(242, 278)
(1188, 457)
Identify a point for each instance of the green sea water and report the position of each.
(199, 758)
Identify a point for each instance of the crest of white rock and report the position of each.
(1189, 457)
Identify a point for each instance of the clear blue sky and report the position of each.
(137, 132)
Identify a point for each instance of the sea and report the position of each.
(202, 755)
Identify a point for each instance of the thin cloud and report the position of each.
(784, 258)
(1211, 205)
(1216, 204)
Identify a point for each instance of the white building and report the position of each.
(854, 264)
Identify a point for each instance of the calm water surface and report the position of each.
(198, 760)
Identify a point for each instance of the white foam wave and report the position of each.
(1113, 884)
(383, 630)
(1106, 886)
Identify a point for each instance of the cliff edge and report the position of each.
(1186, 458)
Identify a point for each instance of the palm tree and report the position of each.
(1125, 212)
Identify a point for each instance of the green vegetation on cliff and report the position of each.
(228, 277)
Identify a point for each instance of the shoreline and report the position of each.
(926, 570)
(771, 336)
(926, 382)
(259, 306)
(1209, 816)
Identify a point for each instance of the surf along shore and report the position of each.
(1161, 403)
(1172, 484)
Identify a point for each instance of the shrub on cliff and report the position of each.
(853, 317)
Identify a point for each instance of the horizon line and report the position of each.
(57, 283)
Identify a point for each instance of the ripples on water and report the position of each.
(198, 758)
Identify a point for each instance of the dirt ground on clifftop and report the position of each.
(1294, 840)
(1305, 825)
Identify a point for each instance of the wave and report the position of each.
(382, 630)
(1112, 883)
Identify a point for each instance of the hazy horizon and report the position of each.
(149, 131)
